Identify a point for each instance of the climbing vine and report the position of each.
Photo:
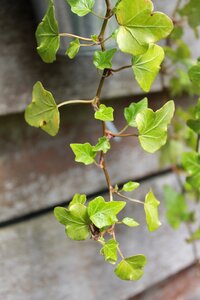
(138, 30)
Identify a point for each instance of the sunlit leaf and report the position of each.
(103, 60)
(131, 112)
(81, 7)
(130, 186)
(73, 48)
(130, 222)
(104, 113)
(84, 153)
(102, 145)
(109, 250)
(191, 163)
(151, 211)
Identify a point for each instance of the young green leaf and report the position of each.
(130, 186)
(103, 60)
(78, 198)
(194, 125)
(47, 35)
(176, 206)
(131, 268)
(194, 74)
(102, 145)
(131, 112)
(191, 163)
(109, 250)
(73, 48)
(151, 210)
(81, 7)
(43, 111)
(104, 113)
(147, 66)
(103, 213)
(152, 126)
(84, 153)
(195, 236)
(75, 219)
(192, 11)
(139, 26)
(130, 222)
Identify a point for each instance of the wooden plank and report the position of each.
(38, 262)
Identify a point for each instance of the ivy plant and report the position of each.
(182, 150)
(138, 30)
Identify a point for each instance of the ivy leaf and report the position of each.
(194, 74)
(176, 207)
(139, 26)
(152, 126)
(195, 236)
(43, 111)
(84, 153)
(109, 250)
(130, 222)
(75, 219)
(191, 163)
(102, 145)
(73, 48)
(131, 112)
(95, 38)
(81, 7)
(47, 35)
(192, 11)
(103, 213)
(151, 210)
(103, 60)
(194, 125)
(131, 268)
(78, 198)
(147, 66)
(130, 186)
(104, 113)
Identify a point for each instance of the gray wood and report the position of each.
(38, 262)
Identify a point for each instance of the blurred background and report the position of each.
(38, 172)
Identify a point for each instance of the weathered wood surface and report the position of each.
(21, 67)
(37, 170)
(38, 262)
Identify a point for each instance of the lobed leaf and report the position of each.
(81, 7)
(139, 26)
(103, 60)
(78, 198)
(104, 213)
(73, 48)
(104, 113)
(191, 163)
(131, 268)
(147, 66)
(133, 110)
(109, 250)
(152, 126)
(84, 153)
(102, 145)
(47, 35)
(43, 111)
(151, 210)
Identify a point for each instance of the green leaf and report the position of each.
(103, 213)
(191, 163)
(75, 219)
(130, 186)
(194, 74)
(151, 210)
(43, 111)
(192, 11)
(152, 126)
(84, 153)
(177, 211)
(47, 36)
(131, 268)
(103, 60)
(73, 48)
(147, 66)
(109, 250)
(102, 145)
(104, 113)
(194, 125)
(78, 198)
(171, 152)
(81, 7)
(131, 112)
(139, 26)
(195, 236)
(94, 38)
(130, 222)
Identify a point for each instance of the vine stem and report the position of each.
(121, 134)
(178, 3)
(121, 68)
(75, 36)
(75, 102)
(130, 199)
